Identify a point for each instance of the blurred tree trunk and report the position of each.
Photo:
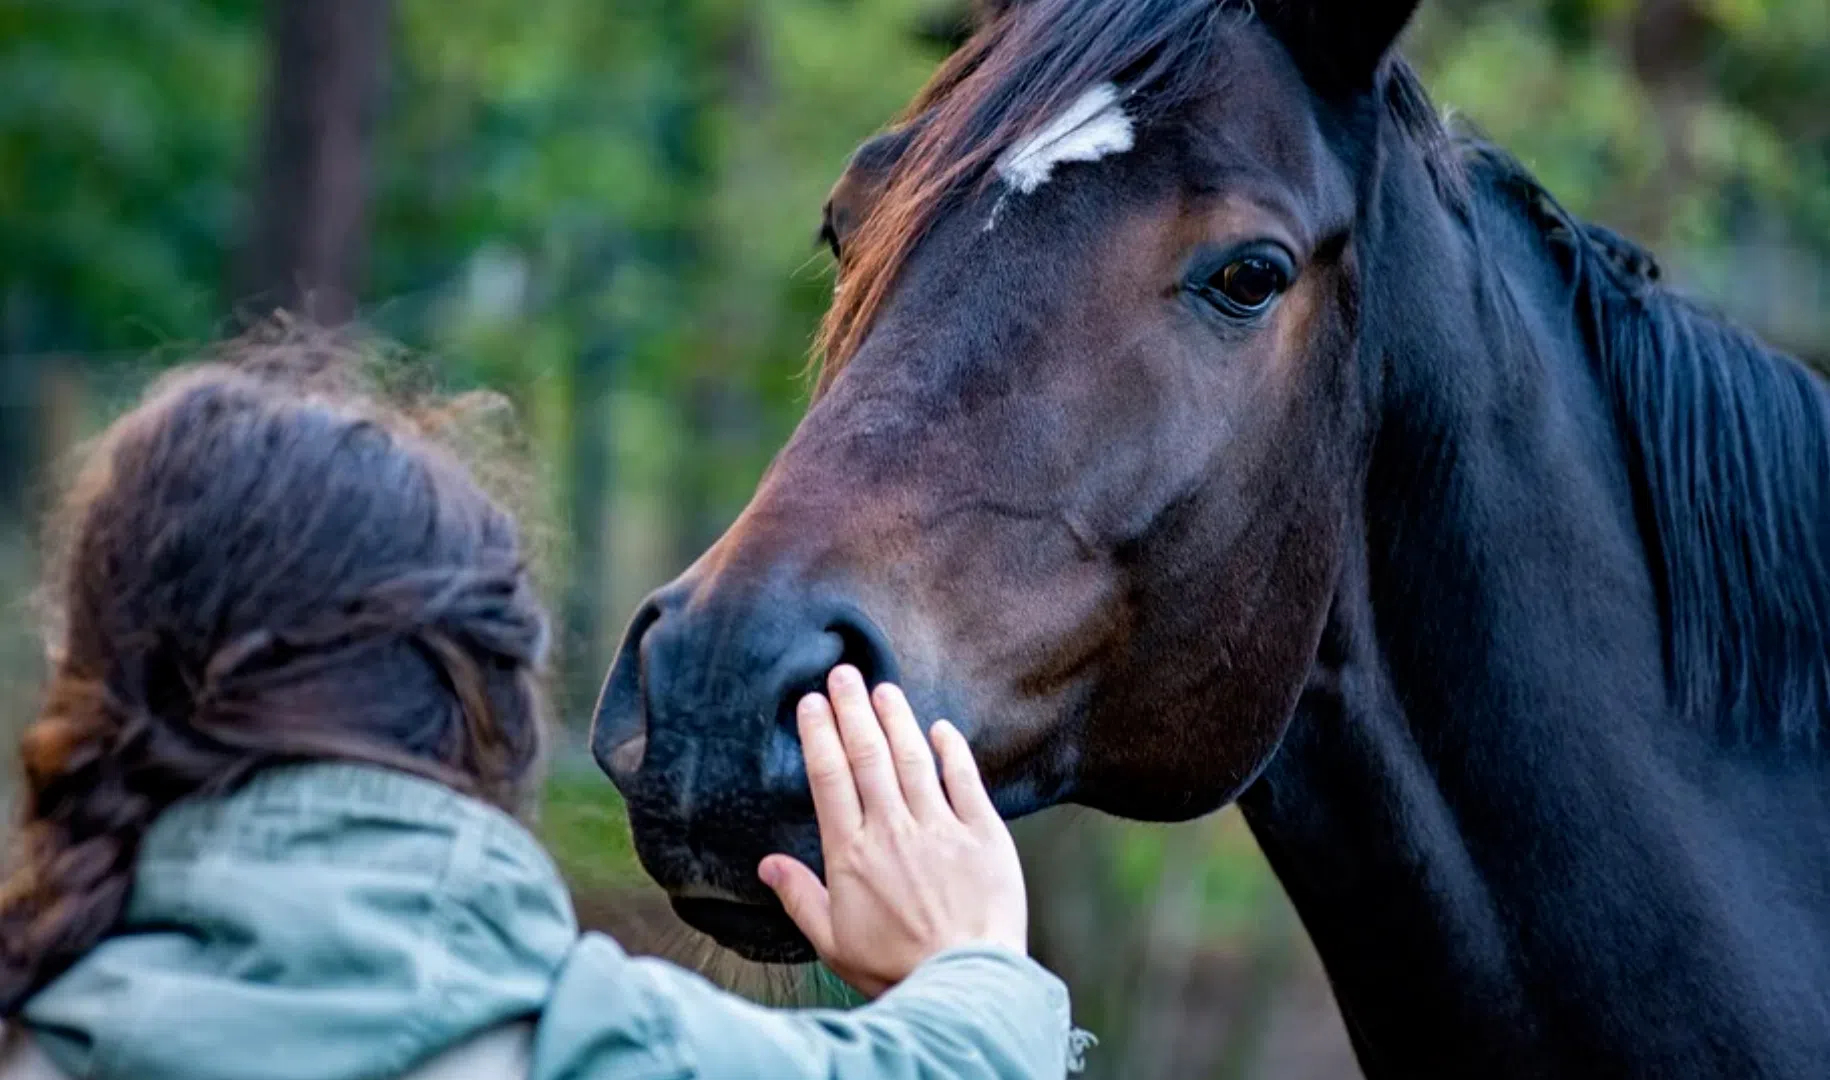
(678, 252)
(309, 237)
(596, 371)
(1668, 43)
(594, 376)
(722, 408)
(18, 398)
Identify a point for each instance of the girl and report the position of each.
(270, 823)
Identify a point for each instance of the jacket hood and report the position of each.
(325, 922)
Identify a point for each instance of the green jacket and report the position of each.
(337, 922)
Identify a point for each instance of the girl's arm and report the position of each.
(973, 1013)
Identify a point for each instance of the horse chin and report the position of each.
(761, 933)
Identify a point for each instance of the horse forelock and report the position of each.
(1012, 82)
(1026, 70)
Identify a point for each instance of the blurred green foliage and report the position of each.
(1698, 127)
(124, 129)
(520, 137)
(582, 821)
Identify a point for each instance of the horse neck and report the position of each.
(1499, 836)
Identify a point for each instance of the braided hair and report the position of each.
(261, 566)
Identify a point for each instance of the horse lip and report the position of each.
(761, 933)
(708, 892)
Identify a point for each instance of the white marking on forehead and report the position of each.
(1093, 128)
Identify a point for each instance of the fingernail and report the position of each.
(847, 673)
(810, 705)
(768, 873)
(943, 729)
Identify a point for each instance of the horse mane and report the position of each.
(1728, 447)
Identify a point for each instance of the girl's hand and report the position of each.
(911, 871)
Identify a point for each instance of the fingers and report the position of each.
(835, 796)
(914, 762)
(879, 792)
(965, 788)
(803, 896)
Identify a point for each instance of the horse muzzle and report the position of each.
(696, 729)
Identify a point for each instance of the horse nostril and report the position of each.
(619, 730)
(847, 638)
(704, 680)
(626, 760)
(863, 646)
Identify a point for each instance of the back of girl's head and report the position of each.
(260, 566)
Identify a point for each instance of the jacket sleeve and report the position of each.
(970, 1014)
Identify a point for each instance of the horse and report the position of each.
(1201, 419)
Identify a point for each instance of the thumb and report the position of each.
(803, 895)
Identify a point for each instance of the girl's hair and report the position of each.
(261, 565)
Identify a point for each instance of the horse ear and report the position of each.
(985, 12)
(950, 25)
(1339, 44)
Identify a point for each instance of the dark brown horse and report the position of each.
(1200, 421)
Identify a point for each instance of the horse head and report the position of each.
(1082, 453)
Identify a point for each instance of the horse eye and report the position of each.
(1252, 283)
(1248, 285)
